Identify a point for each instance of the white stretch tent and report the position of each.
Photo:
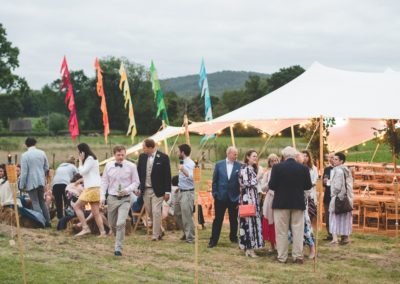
(364, 98)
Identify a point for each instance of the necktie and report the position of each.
(118, 165)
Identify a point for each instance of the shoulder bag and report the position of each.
(343, 206)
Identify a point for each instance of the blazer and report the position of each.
(160, 174)
(34, 167)
(289, 180)
(225, 189)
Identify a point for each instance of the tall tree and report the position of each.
(8, 61)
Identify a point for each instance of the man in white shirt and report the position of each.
(120, 179)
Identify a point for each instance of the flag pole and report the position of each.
(164, 126)
(293, 137)
(232, 136)
(186, 123)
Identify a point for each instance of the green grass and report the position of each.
(58, 258)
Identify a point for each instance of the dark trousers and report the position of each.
(326, 210)
(60, 199)
(220, 208)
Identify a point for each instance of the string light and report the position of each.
(364, 144)
(264, 135)
(280, 134)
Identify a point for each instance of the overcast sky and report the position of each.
(246, 35)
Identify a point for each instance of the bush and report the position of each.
(7, 145)
(57, 122)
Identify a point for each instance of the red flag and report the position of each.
(100, 93)
(69, 99)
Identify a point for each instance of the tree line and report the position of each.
(18, 100)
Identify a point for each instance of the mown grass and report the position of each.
(53, 257)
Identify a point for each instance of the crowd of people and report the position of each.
(276, 204)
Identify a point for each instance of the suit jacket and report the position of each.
(34, 166)
(160, 174)
(289, 180)
(327, 194)
(223, 188)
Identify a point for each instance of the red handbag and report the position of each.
(247, 210)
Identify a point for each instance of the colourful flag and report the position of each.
(158, 94)
(123, 85)
(69, 99)
(205, 92)
(100, 93)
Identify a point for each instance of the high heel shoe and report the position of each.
(250, 253)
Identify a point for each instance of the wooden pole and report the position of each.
(232, 136)
(319, 185)
(396, 194)
(197, 179)
(393, 150)
(376, 150)
(293, 137)
(164, 125)
(186, 123)
(12, 178)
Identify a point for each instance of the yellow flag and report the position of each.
(124, 86)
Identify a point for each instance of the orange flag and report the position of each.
(100, 93)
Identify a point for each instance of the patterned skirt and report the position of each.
(91, 194)
(250, 231)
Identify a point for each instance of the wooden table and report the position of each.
(378, 198)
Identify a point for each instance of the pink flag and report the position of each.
(69, 99)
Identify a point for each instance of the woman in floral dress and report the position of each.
(250, 231)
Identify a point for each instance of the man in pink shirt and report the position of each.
(120, 179)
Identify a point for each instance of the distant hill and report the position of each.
(219, 82)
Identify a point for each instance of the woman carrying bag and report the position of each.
(250, 232)
(340, 207)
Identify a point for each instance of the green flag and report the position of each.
(158, 94)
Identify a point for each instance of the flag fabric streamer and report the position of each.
(123, 85)
(69, 99)
(158, 94)
(205, 92)
(100, 93)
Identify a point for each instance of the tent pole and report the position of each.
(164, 126)
(293, 137)
(393, 150)
(186, 123)
(376, 150)
(396, 195)
(232, 136)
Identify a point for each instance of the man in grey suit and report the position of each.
(225, 190)
(34, 168)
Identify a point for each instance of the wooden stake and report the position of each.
(197, 179)
(232, 136)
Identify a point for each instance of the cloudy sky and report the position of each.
(246, 35)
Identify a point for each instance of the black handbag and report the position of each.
(343, 206)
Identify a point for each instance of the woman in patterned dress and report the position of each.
(250, 232)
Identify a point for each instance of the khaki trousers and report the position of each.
(282, 219)
(153, 206)
(117, 213)
(183, 211)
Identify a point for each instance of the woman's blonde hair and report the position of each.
(270, 158)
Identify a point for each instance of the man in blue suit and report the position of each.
(226, 191)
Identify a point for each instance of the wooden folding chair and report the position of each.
(356, 212)
(371, 210)
(390, 213)
(142, 217)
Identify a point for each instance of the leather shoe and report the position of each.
(328, 238)
(298, 261)
(117, 253)
(183, 238)
(235, 241)
(211, 245)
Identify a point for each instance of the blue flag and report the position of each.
(205, 92)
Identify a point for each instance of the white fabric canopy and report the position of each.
(168, 132)
(363, 98)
